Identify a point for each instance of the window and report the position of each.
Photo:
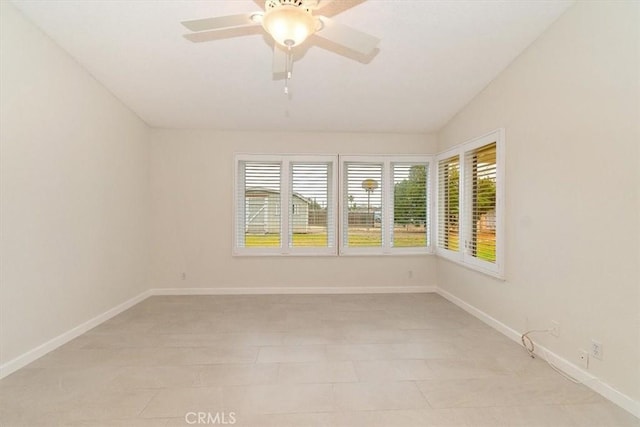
(480, 185)
(306, 185)
(381, 205)
(261, 192)
(363, 204)
(410, 205)
(312, 221)
(448, 203)
(385, 204)
(470, 204)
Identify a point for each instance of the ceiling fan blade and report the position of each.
(225, 33)
(279, 59)
(334, 7)
(220, 22)
(346, 36)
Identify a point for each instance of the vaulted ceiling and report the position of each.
(434, 57)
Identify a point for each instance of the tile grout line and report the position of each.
(155, 394)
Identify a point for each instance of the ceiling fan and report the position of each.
(290, 23)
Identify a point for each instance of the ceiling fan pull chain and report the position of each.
(286, 78)
(289, 61)
(287, 69)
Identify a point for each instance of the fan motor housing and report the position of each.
(273, 4)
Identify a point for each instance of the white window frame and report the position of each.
(339, 205)
(286, 247)
(443, 252)
(462, 256)
(387, 202)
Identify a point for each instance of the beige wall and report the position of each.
(192, 193)
(570, 107)
(74, 192)
(78, 210)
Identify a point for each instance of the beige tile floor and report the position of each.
(297, 360)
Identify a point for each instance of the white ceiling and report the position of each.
(434, 57)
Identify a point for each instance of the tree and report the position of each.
(353, 203)
(486, 196)
(314, 205)
(485, 201)
(452, 192)
(410, 197)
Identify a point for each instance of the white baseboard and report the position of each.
(295, 290)
(562, 364)
(33, 354)
(586, 378)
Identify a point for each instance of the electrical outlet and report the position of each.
(596, 349)
(584, 359)
(183, 276)
(555, 328)
(410, 274)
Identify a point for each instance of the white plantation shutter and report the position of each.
(480, 189)
(285, 205)
(362, 205)
(258, 221)
(448, 203)
(311, 210)
(410, 205)
(470, 204)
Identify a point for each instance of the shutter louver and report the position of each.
(363, 205)
(311, 216)
(449, 203)
(480, 183)
(326, 205)
(261, 225)
(410, 222)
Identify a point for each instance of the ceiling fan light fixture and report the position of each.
(289, 25)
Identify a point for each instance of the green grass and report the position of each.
(364, 238)
(261, 240)
(453, 242)
(357, 238)
(313, 240)
(409, 240)
(372, 238)
(273, 240)
(485, 249)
